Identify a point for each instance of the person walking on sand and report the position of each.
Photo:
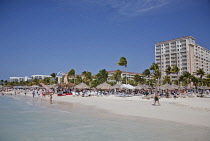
(156, 99)
(33, 93)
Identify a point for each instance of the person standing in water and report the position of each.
(156, 99)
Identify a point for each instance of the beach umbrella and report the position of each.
(142, 87)
(116, 86)
(173, 86)
(104, 86)
(64, 85)
(82, 86)
(34, 86)
(204, 87)
(139, 87)
(127, 86)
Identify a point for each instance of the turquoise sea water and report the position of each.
(28, 119)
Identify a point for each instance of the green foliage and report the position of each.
(102, 76)
(87, 77)
(117, 75)
(154, 67)
(168, 70)
(132, 82)
(111, 83)
(185, 78)
(156, 72)
(175, 69)
(146, 72)
(78, 80)
(122, 62)
(166, 80)
(124, 80)
(138, 80)
(200, 72)
(71, 72)
(53, 75)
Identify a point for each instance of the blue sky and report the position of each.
(46, 36)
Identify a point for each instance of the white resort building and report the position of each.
(183, 53)
(130, 75)
(26, 78)
(39, 76)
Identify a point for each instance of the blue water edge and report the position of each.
(28, 119)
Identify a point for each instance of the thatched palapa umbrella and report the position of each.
(63, 85)
(82, 86)
(142, 87)
(104, 86)
(116, 86)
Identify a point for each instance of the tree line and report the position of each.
(151, 76)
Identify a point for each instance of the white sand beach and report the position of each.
(193, 111)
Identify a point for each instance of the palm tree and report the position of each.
(185, 78)
(117, 75)
(208, 79)
(71, 73)
(146, 73)
(137, 79)
(87, 77)
(166, 80)
(101, 76)
(156, 72)
(200, 72)
(195, 81)
(123, 62)
(175, 70)
(168, 72)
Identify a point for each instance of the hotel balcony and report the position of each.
(183, 58)
(173, 59)
(183, 54)
(184, 62)
(184, 66)
(183, 50)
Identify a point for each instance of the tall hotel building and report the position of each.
(183, 53)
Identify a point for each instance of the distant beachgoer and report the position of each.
(51, 99)
(38, 93)
(156, 99)
(33, 93)
(43, 94)
(175, 95)
(167, 94)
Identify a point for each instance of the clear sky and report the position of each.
(46, 36)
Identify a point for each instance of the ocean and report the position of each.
(32, 119)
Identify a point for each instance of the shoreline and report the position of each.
(191, 111)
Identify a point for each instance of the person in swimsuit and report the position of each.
(156, 99)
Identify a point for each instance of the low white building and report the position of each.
(16, 79)
(39, 76)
